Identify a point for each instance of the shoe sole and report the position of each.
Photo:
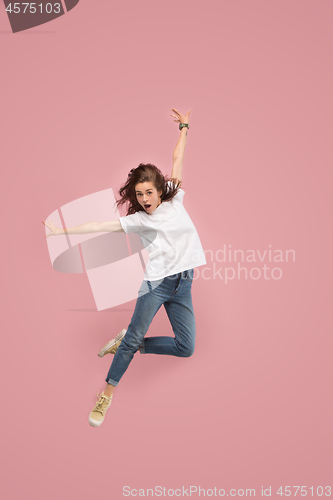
(112, 342)
(93, 423)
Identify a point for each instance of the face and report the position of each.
(148, 196)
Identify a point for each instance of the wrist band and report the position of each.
(114, 262)
(181, 125)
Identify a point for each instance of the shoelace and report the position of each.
(102, 400)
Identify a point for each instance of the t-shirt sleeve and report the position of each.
(131, 223)
(180, 194)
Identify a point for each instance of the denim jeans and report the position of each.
(174, 292)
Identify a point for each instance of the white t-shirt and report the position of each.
(169, 236)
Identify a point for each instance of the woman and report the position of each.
(156, 212)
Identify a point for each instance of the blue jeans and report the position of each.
(174, 292)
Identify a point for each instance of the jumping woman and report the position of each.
(156, 212)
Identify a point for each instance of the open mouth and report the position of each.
(147, 207)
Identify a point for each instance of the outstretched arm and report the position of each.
(179, 151)
(113, 226)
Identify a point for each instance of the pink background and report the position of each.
(86, 98)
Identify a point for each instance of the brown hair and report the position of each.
(145, 172)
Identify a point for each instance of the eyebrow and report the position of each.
(149, 189)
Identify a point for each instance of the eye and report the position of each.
(149, 192)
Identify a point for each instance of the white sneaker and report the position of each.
(112, 346)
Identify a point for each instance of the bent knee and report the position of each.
(187, 351)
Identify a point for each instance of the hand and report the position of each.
(180, 118)
(54, 230)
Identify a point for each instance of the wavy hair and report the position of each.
(145, 172)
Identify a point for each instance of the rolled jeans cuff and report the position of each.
(112, 382)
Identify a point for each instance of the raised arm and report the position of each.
(113, 226)
(179, 151)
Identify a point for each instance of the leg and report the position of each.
(175, 293)
(147, 305)
(179, 309)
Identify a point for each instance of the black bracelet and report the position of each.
(181, 125)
